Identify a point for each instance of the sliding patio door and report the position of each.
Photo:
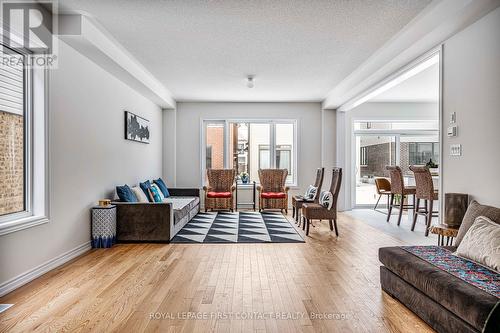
(373, 154)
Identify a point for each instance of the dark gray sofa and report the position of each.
(156, 222)
(444, 301)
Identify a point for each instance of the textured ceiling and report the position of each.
(423, 87)
(297, 50)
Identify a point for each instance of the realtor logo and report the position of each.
(28, 27)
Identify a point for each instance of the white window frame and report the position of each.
(36, 142)
(272, 143)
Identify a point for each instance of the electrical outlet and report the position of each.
(456, 150)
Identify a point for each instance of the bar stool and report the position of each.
(383, 186)
(425, 191)
(398, 187)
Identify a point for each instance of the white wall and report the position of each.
(88, 157)
(371, 111)
(189, 116)
(169, 146)
(471, 88)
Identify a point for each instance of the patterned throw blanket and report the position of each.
(464, 269)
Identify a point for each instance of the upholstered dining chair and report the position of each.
(273, 193)
(298, 201)
(398, 188)
(219, 192)
(383, 186)
(315, 211)
(425, 191)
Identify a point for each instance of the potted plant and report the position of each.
(433, 167)
(245, 177)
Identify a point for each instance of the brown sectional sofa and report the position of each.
(156, 222)
(444, 301)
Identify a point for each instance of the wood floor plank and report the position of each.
(273, 287)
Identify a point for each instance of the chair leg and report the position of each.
(331, 225)
(390, 207)
(401, 203)
(304, 221)
(376, 205)
(286, 211)
(415, 214)
(429, 218)
(307, 227)
(293, 212)
(336, 229)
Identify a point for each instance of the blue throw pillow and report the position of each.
(162, 186)
(125, 194)
(145, 187)
(155, 194)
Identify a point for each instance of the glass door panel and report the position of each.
(373, 154)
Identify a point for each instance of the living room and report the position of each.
(177, 90)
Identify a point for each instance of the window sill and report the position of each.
(21, 224)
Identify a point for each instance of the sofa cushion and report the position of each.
(471, 304)
(273, 195)
(125, 194)
(163, 187)
(219, 194)
(145, 186)
(154, 191)
(475, 210)
(482, 243)
(139, 194)
(182, 206)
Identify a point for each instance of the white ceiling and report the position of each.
(422, 87)
(297, 50)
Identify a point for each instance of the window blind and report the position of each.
(11, 82)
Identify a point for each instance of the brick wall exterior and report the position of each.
(378, 159)
(11, 163)
(215, 138)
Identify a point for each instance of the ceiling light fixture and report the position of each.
(250, 81)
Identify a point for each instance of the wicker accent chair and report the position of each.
(219, 193)
(315, 211)
(425, 191)
(298, 201)
(398, 187)
(273, 194)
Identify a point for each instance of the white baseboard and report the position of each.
(22, 279)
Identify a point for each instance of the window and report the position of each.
(13, 126)
(420, 153)
(23, 143)
(251, 145)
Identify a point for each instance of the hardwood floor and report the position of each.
(219, 287)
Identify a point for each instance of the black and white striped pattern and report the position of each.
(240, 227)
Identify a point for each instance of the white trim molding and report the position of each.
(38, 271)
(87, 36)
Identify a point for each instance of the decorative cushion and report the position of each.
(273, 195)
(159, 191)
(154, 193)
(125, 194)
(139, 194)
(145, 186)
(311, 193)
(326, 199)
(219, 194)
(481, 243)
(475, 210)
(163, 187)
